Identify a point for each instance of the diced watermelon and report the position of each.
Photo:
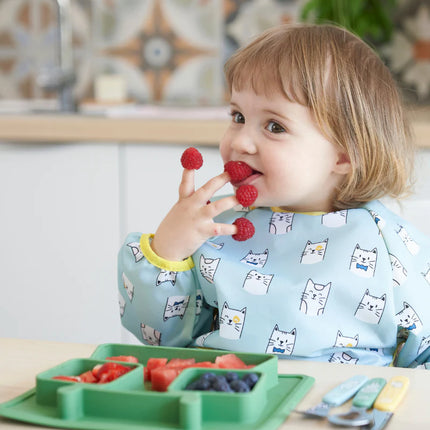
(205, 364)
(88, 377)
(153, 363)
(181, 363)
(230, 361)
(126, 358)
(67, 378)
(110, 371)
(161, 377)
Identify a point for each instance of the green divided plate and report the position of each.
(128, 403)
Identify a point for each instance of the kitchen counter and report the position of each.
(21, 360)
(203, 126)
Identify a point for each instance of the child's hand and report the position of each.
(190, 221)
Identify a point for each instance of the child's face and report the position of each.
(297, 168)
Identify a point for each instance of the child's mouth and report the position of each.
(248, 180)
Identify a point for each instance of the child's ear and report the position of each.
(343, 163)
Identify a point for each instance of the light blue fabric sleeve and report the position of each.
(160, 302)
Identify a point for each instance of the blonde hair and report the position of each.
(350, 93)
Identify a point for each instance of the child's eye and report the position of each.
(237, 117)
(274, 127)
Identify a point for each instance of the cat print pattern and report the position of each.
(333, 287)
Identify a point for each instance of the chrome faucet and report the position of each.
(62, 78)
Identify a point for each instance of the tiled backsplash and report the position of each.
(172, 51)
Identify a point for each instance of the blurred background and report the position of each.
(172, 51)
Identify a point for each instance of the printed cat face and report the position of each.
(150, 335)
(129, 287)
(231, 322)
(342, 358)
(257, 283)
(255, 260)
(314, 252)
(176, 307)
(281, 222)
(208, 267)
(410, 243)
(121, 302)
(399, 272)
(334, 219)
(425, 343)
(371, 308)
(166, 276)
(314, 298)
(135, 249)
(345, 341)
(408, 318)
(363, 262)
(281, 342)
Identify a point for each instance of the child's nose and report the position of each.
(243, 142)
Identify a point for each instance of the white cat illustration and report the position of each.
(335, 219)
(208, 267)
(314, 298)
(129, 287)
(363, 262)
(121, 302)
(281, 342)
(410, 243)
(281, 222)
(314, 252)
(345, 341)
(257, 283)
(150, 335)
(231, 322)
(370, 308)
(217, 246)
(166, 276)
(425, 343)
(342, 358)
(399, 272)
(175, 307)
(135, 249)
(409, 319)
(200, 341)
(254, 259)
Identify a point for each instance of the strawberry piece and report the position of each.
(88, 377)
(191, 159)
(245, 229)
(237, 170)
(246, 195)
(125, 358)
(110, 371)
(67, 378)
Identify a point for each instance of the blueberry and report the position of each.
(250, 379)
(221, 385)
(239, 386)
(231, 376)
(210, 376)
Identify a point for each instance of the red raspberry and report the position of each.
(237, 170)
(191, 159)
(246, 195)
(245, 229)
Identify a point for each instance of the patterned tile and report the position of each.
(171, 51)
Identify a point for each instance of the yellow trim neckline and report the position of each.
(154, 259)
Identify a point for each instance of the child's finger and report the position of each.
(186, 187)
(219, 229)
(219, 206)
(212, 186)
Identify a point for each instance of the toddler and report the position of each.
(330, 273)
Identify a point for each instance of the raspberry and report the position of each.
(245, 229)
(237, 170)
(246, 195)
(191, 159)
